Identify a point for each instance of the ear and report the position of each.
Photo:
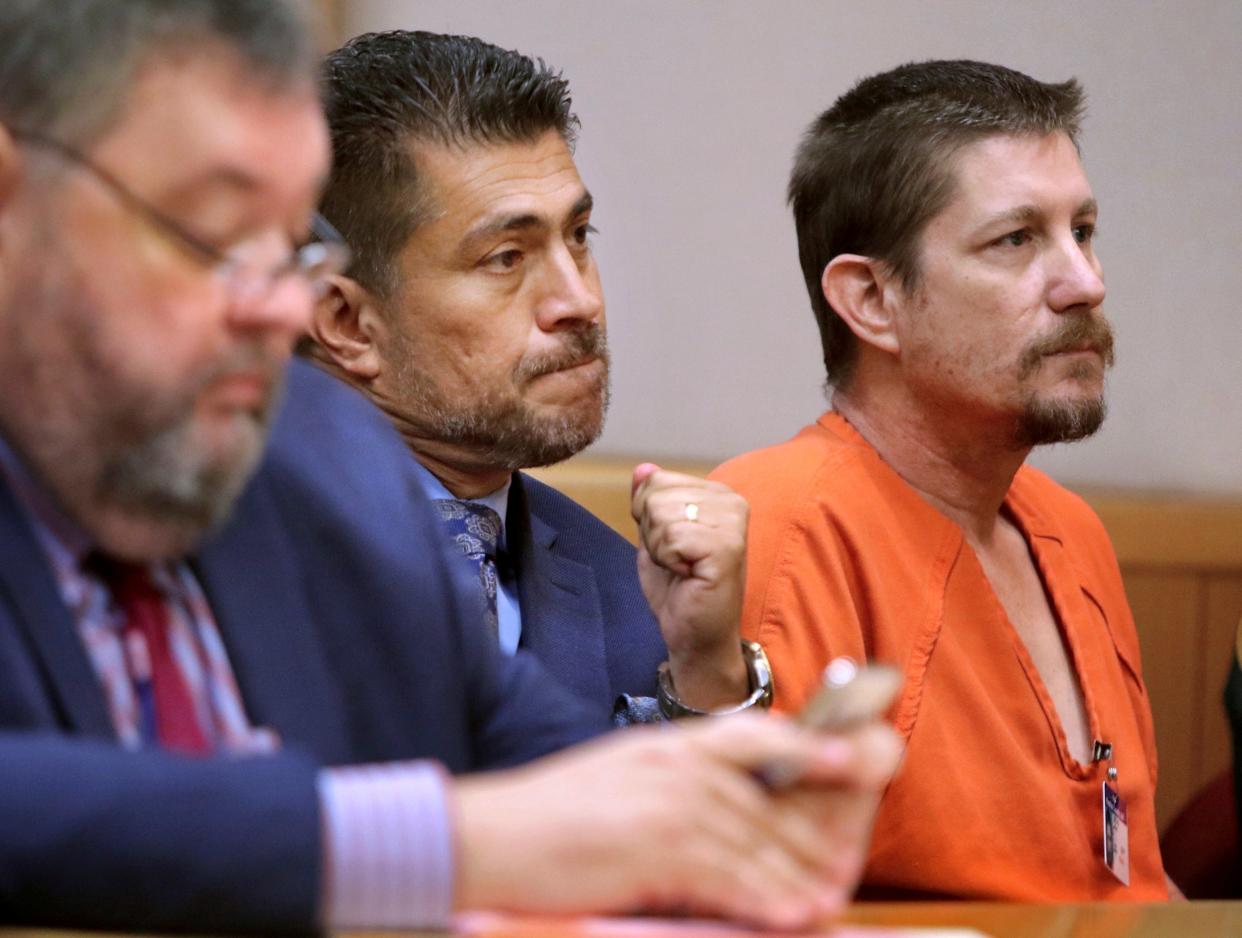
(12, 170)
(860, 290)
(345, 325)
(10, 165)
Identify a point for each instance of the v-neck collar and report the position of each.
(1062, 586)
(1060, 579)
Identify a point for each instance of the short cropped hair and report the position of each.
(875, 168)
(66, 66)
(387, 92)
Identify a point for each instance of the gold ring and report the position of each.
(692, 511)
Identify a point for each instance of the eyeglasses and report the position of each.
(313, 262)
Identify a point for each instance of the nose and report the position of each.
(278, 309)
(571, 292)
(1076, 277)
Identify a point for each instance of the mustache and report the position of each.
(1086, 330)
(577, 346)
(250, 357)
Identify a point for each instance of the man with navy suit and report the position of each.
(473, 316)
(234, 666)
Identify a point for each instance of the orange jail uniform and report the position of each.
(845, 558)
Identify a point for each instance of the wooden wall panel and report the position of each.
(1168, 610)
(603, 486)
(1223, 613)
(1168, 530)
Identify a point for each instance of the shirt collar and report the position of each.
(57, 532)
(498, 500)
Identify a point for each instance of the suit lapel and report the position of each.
(40, 615)
(257, 598)
(562, 620)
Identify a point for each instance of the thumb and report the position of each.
(774, 747)
(642, 472)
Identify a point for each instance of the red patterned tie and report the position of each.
(146, 618)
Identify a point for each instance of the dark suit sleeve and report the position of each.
(584, 613)
(521, 712)
(154, 841)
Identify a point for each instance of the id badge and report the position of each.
(1116, 835)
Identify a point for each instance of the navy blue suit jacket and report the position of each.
(583, 612)
(348, 636)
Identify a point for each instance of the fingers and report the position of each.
(793, 858)
(684, 520)
(871, 755)
(864, 759)
(641, 472)
(667, 493)
(843, 820)
(745, 856)
(666, 818)
(821, 826)
(762, 887)
(751, 823)
(692, 567)
(824, 818)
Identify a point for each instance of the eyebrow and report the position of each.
(238, 180)
(1088, 207)
(228, 177)
(1024, 214)
(524, 221)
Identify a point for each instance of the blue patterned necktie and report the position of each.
(475, 530)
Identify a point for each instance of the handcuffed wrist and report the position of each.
(758, 671)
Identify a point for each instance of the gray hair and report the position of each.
(66, 66)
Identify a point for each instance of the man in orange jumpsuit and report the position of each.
(945, 230)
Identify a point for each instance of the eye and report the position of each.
(1014, 239)
(211, 249)
(1084, 233)
(581, 234)
(503, 260)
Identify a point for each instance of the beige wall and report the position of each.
(691, 111)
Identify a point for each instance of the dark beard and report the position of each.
(98, 439)
(154, 477)
(1043, 422)
(506, 433)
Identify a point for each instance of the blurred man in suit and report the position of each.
(233, 669)
(473, 316)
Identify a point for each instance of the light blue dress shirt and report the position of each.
(508, 610)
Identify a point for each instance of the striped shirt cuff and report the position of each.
(388, 846)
